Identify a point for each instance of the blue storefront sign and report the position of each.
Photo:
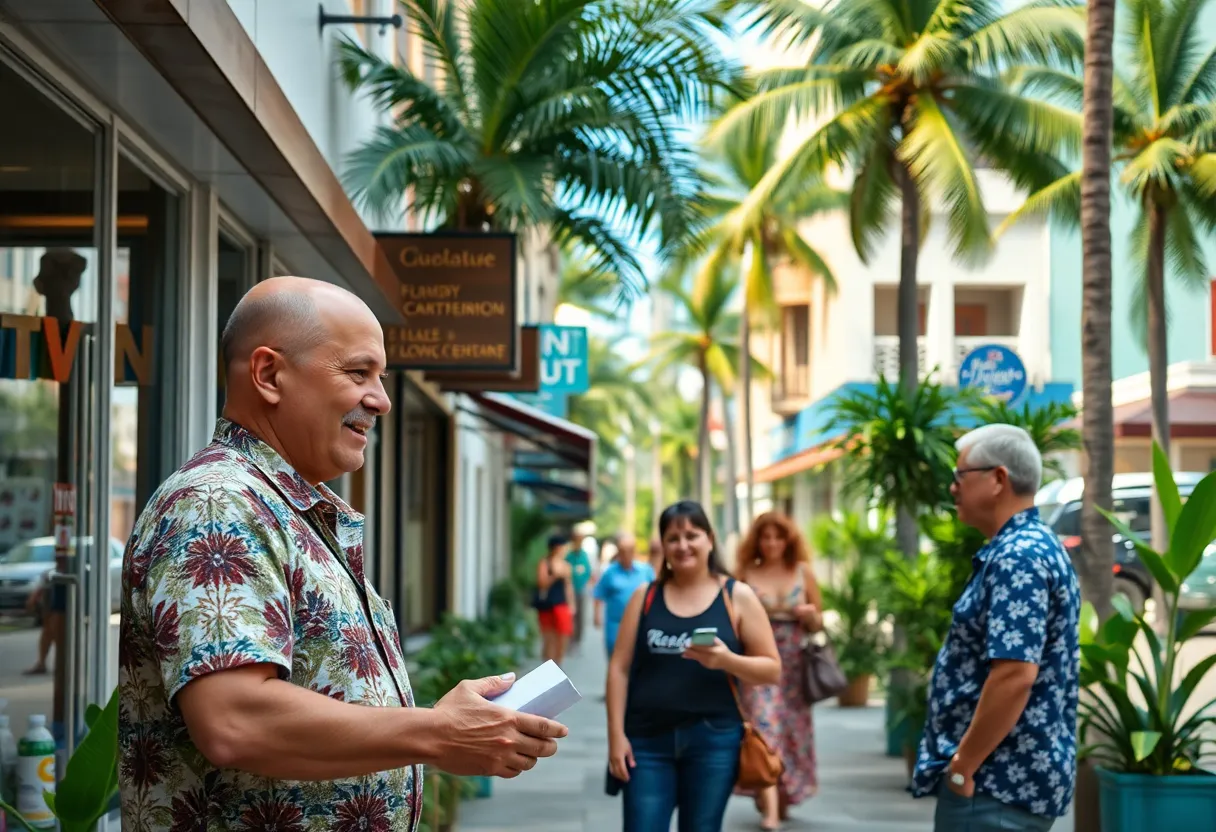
(563, 369)
(996, 370)
(563, 359)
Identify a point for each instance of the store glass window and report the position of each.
(235, 277)
(145, 404)
(48, 313)
(423, 533)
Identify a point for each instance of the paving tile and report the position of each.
(861, 789)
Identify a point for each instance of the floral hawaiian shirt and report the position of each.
(235, 561)
(1022, 603)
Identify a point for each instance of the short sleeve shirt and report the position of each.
(614, 588)
(237, 561)
(1022, 603)
(580, 567)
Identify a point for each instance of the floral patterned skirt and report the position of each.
(783, 718)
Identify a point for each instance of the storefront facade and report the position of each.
(152, 170)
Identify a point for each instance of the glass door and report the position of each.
(49, 376)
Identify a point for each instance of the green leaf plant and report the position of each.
(88, 787)
(1136, 714)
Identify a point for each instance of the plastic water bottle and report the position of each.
(8, 768)
(36, 773)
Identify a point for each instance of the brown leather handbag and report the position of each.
(759, 766)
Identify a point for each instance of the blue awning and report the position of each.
(808, 429)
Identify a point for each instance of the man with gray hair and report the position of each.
(1000, 745)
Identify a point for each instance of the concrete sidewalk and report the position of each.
(860, 788)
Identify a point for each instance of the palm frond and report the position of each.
(1201, 85)
(1155, 167)
(1202, 174)
(378, 173)
(1047, 34)
(1061, 201)
(874, 193)
(938, 161)
(804, 254)
(437, 23)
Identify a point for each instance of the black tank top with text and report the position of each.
(668, 691)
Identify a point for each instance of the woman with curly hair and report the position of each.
(773, 560)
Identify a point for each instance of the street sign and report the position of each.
(996, 370)
(563, 359)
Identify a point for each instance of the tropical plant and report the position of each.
(704, 335)
(88, 788)
(1139, 718)
(556, 114)
(919, 596)
(678, 444)
(1164, 132)
(860, 549)
(1046, 425)
(771, 235)
(898, 450)
(910, 96)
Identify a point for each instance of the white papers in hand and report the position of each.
(546, 691)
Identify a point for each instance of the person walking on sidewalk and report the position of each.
(773, 561)
(617, 584)
(556, 606)
(674, 728)
(1000, 744)
(261, 679)
(582, 574)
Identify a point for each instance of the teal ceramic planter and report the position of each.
(1139, 802)
(482, 787)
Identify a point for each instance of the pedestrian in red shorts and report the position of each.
(555, 599)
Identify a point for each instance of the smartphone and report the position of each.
(705, 636)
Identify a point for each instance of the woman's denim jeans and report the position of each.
(692, 769)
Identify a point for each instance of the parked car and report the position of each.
(24, 570)
(1060, 506)
(1199, 590)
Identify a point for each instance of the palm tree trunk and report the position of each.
(1158, 356)
(730, 506)
(909, 330)
(656, 472)
(1097, 419)
(745, 407)
(704, 465)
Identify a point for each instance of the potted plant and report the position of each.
(89, 786)
(856, 636)
(1137, 721)
(919, 596)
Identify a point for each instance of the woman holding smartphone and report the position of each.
(673, 725)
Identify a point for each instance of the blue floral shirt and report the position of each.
(1022, 603)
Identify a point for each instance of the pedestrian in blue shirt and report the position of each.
(619, 580)
(1000, 745)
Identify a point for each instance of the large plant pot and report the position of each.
(857, 694)
(1138, 802)
(483, 787)
(1086, 811)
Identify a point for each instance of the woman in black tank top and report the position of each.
(674, 729)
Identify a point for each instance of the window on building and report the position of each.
(886, 310)
(235, 276)
(795, 350)
(970, 319)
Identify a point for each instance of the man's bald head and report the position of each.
(283, 313)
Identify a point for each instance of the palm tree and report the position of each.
(1047, 426)
(705, 337)
(617, 403)
(592, 290)
(908, 95)
(771, 237)
(555, 114)
(1162, 119)
(679, 442)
